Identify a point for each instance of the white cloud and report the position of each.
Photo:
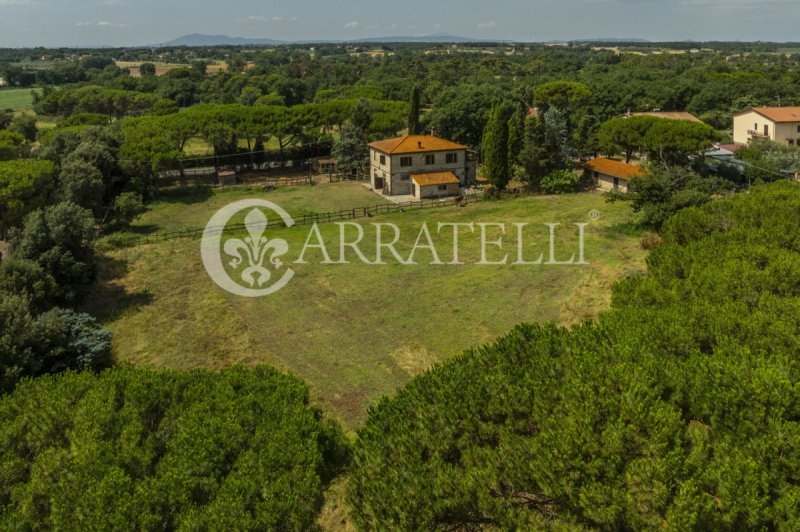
(101, 24)
(264, 18)
(487, 25)
(352, 25)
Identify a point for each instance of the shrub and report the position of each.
(560, 182)
(650, 240)
(25, 278)
(127, 206)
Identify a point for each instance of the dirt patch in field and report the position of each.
(413, 359)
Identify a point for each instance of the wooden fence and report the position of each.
(310, 219)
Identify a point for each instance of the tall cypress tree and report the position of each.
(413, 114)
(495, 146)
(516, 136)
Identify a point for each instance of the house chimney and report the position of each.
(419, 144)
(433, 131)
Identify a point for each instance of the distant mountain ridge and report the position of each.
(200, 39)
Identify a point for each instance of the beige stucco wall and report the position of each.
(606, 182)
(747, 122)
(399, 177)
(432, 191)
(787, 131)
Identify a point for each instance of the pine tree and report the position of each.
(413, 114)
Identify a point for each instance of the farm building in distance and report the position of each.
(394, 163)
(779, 124)
(323, 165)
(609, 174)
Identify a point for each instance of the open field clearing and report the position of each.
(190, 208)
(16, 99)
(163, 68)
(357, 331)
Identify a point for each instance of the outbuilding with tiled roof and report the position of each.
(609, 174)
(434, 185)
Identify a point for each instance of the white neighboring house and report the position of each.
(779, 124)
(394, 164)
(2, 82)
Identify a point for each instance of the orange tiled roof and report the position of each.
(671, 115)
(779, 114)
(435, 178)
(415, 144)
(614, 168)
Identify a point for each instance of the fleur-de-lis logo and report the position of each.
(254, 249)
(255, 258)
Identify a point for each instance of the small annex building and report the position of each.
(434, 185)
(609, 174)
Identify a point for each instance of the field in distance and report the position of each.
(16, 99)
(357, 331)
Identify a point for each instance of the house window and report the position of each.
(798, 129)
(383, 160)
(405, 177)
(766, 131)
(616, 182)
(442, 187)
(405, 162)
(430, 159)
(451, 158)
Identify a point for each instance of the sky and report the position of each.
(25, 23)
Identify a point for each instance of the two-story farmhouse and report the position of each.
(780, 124)
(420, 165)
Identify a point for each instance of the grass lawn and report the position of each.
(355, 332)
(199, 147)
(16, 99)
(191, 207)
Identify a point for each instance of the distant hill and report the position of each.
(612, 40)
(199, 39)
(437, 37)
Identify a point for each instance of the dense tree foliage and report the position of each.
(24, 186)
(60, 238)
(678, 409)
(135, 449)
(663, 191)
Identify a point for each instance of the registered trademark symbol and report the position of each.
(594, 214)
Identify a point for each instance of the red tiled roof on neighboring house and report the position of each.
(435, 178)
(731, 147)
(533, 112)
(671, 115)
(415, 144)
(614, 168)
(776, 114)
